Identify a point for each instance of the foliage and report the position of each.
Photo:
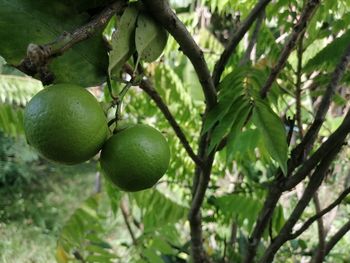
(253, 138)
(34, 211)
(38, 22)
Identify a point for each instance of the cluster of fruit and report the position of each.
(66, 124)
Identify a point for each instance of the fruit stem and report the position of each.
(135, 80)
(109, 86)
(119, 100)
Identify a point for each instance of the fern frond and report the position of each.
(18, 89)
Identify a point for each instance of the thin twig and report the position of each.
(285, 184)
(264, 218)
(163, 13)
(289, 46)
(314, 183)
(38, 56)
(304, 147)
(125, 214)
(281, 185)
(236, 38)
(148, 88)
(312, 219)
(78, 256)
(319, 251)
(253, 39)
(336, 237)
(338, 136)
(298, 86)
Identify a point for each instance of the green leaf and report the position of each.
(278, 219)
(158, 209)
(242, 207)
(83, 230)
(241, 145)
(152, 256)
(150, 38)
(232, 94)
(191, 82)
(85, 5)
(18, 90)
(36, 21)
(328, 57)
(11, 120)
(123, 43)
(273, 131)
(100, 258)
(162, 245)
(233, 121)
(114, 195)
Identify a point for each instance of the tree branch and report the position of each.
(315, 127)
(265, 214)
(162, 12)
(335, 138)
(314, 183)
(281, 184)
(289, 46)
(200, 189)
(312, 219)
(200, 185)
(319, 251)
(125, 214)
(236, 38)
(148, 88)
(298, 86)
(336, 237)
(38, 56)
(253, 39)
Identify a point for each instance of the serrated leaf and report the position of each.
(150, 38)
(123, 44)
(41, 23)
(273, 131)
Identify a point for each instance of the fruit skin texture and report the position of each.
(65, 123)
(135, 158)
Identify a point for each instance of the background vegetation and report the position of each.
(258, 149)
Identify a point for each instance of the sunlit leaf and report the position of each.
(273, 131)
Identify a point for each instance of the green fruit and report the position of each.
(135, 158)
(65, 123)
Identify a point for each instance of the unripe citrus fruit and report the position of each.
(135, 158)
(65, 123)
